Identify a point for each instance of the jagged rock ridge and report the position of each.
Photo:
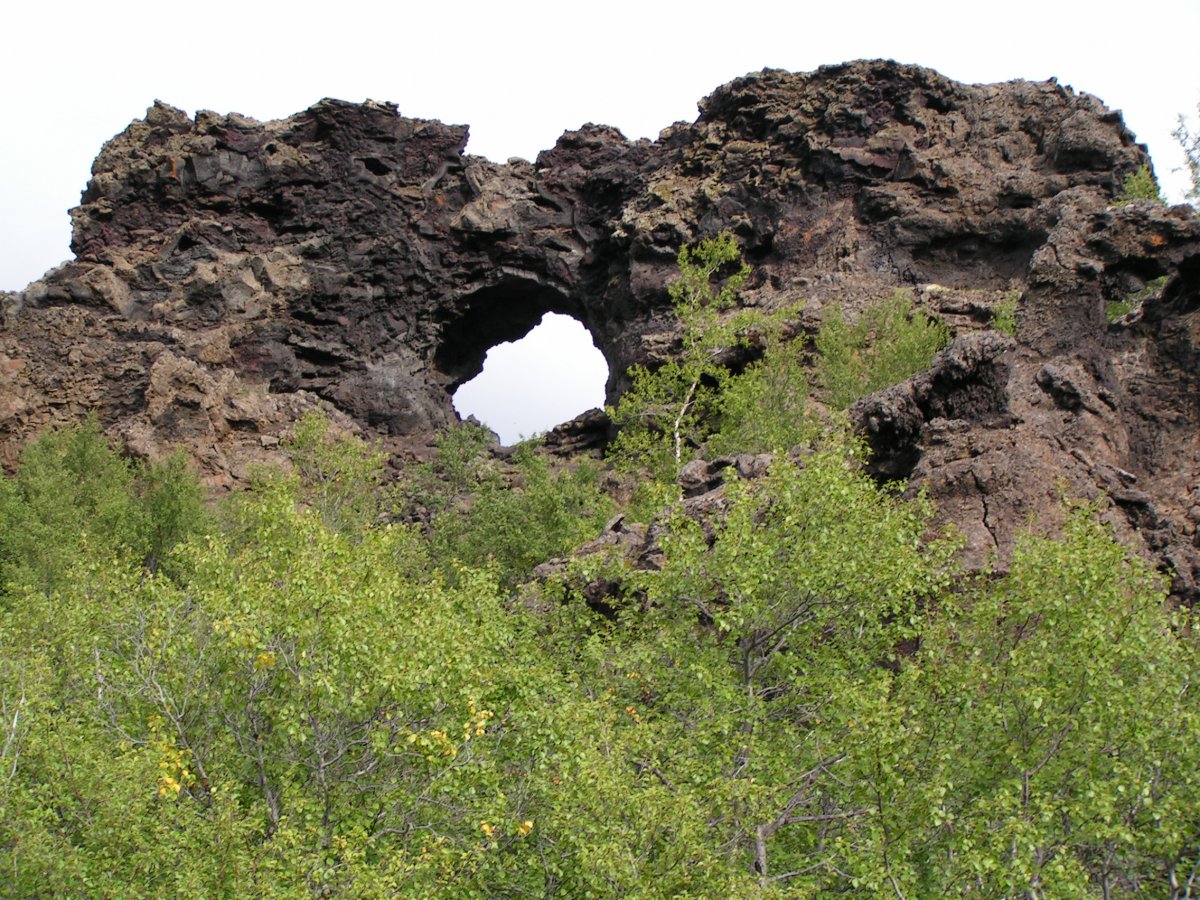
(230, 274)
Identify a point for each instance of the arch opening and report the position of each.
(528, 386)
(503, 311)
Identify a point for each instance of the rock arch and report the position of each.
(231, 274)
(506, 309)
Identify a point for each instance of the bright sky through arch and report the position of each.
(526, 387)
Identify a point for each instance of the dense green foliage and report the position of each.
(480, 515)
(340, 478)
(74, 496)
(695, 402)
(1140, 185)
(890, 341)
(1004, 314)
(765, 408)
(667, 412)
(338, 688)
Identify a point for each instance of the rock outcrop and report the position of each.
(230, 274)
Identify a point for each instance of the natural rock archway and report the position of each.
(528, 386)
(230, 274)
(504, 311)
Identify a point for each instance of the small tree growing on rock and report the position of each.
(666, 407)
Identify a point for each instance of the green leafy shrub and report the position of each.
(1066, 730)
(171, 504)
(482, 513)
(669, 413)
(764, 409)
(890, 342)
(291, 714)
(757, 657)
(513, 526)
(74, 495)
(1140, 185)
(668, 410)
(71, 489)
(1004, 314)
(340, 475)
(460, 463)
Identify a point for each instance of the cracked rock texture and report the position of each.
(230, 274)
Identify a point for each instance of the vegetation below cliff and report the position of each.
(885, 586)
(785, 685)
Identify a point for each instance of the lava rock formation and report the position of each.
(231, 274)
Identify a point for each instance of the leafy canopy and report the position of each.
(340, 687)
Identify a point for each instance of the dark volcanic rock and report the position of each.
(230, 274)
(998, 431)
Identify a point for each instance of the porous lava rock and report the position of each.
(230, 274)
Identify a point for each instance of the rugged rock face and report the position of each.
(230, 274)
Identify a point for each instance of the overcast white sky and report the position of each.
(528, 386)
(521, 72)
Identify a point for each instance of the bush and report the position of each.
(765, 408)
(670, 408)
(481, 513)
(543, 513)
(341, 475)
(1056, 704)
(1004, 314)
(889, 343)
(1140, 185)
(75, 496)
(669, 413)
(172, 506)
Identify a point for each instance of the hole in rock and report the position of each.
(528, 386)
(375, 166)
